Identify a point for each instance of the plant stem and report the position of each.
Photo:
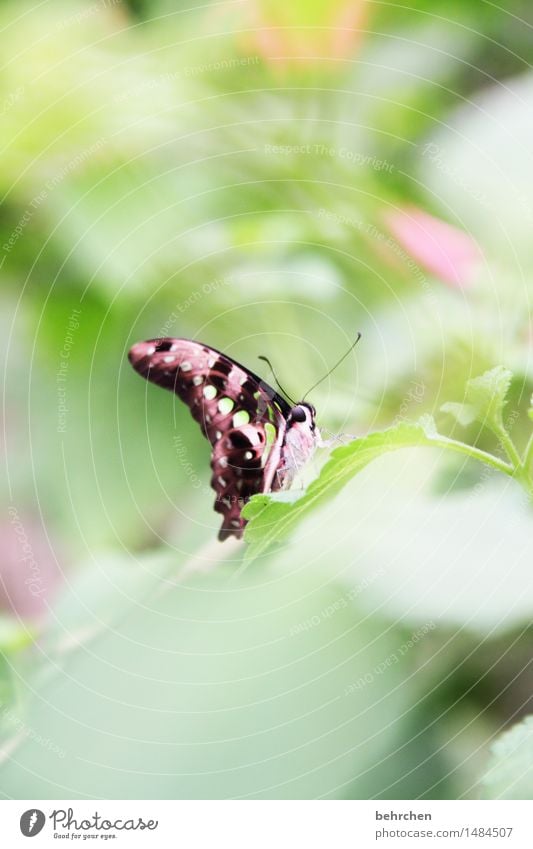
(521, 465)
(508, 445)
(475, 453)
(528, 456)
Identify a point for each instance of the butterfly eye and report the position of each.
(298, 414)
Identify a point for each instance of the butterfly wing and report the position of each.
(244, 419)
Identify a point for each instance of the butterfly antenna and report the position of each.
(337, 364)
(280, 387)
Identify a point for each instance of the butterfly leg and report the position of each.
(335, 439)
(294, 468)
(286, 474)
(281, 477)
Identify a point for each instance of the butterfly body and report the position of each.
(258, 440)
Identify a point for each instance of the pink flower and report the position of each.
(447, 252)
(29, 574)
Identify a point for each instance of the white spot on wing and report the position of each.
(225, 406)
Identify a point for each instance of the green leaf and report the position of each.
(484, 399)
(260, 684)
(273, 517)
(380, 535)
(510, 773)
(464, 414)
(487, 393)
(454, 159)
(530, 411)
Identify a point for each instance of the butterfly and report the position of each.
(258, 439)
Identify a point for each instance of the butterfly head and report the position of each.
(303, 414)
(302, 437)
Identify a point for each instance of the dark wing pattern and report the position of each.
(243, 418)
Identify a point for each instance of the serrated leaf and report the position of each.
(510, 773)
(271, 519)
(487, 393)
(484, 399)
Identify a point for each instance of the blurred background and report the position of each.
(268, 178)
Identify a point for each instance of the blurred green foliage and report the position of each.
(226, 174)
